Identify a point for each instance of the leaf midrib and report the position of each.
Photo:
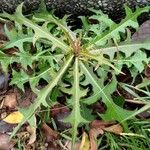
(37, 28)
(113, 29)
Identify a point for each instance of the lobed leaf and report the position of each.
(75, 118)
(42, 96)
(113, 111)
(115, 29)
(39, 32)
(128, 48)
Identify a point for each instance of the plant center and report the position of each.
(76, 47)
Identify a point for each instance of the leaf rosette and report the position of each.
(85, 57)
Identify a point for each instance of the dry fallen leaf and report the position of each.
(98, 127)
(3, 115)
(32, 131)
(85, 143)
(25, 99)
(59, 112)
(59, 108)
(10, 100)
(147, 71)
(69, 143)
(94, 133)
(14, 118)
(29, 147)
(23, 136)
(52, 146)
(143, 33)
(100, 124)
(49, 134)
(5, 142)
(6, 127)
(116, 129)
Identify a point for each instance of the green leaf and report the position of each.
(101, 60)
(25, 58)
(115, 29)
(44, 74)
(19, 79)
(38, 30)
(16, 39)
(113, 111)
(144, 108)
(81, 63)
(75, 117)
(145, 82)
(61, 23)
(5, 61)
(139, 59)
(42, 96)
(128, 48)
(103, 19)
